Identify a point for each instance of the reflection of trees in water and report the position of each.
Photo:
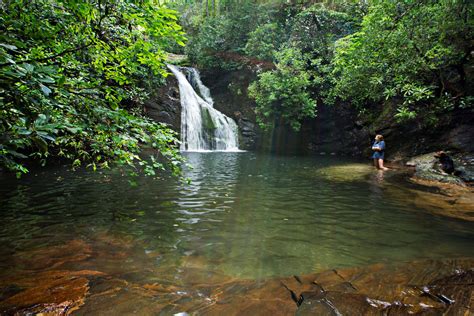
(201, 205)
(48, 206)
(269, 228)
(213, 178)
(59, 205)
(246, 214)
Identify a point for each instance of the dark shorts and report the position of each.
(378, 155)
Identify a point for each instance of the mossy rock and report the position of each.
(423, 162)
(207, 121)
(427, 169)
(436, 176)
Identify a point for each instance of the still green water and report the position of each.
(245, 215)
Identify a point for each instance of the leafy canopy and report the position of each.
(73, 79)
(283, 93)
(414, 54)
(410, 50)
(303, 67)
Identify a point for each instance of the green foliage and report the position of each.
(299, 40)
(303, 68)
(415, 54)
(284, 92)
(214, 38)
(72, 82)
(314, 30)
(409, 50)
(265, 41)
(404, 114)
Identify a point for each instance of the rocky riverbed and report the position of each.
(64, 280)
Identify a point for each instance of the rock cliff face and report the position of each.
(229, 91)
(164, 104)
(453, 132)
(333, 131)
(336, 130)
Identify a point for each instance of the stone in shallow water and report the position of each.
(438, 198)
(55, 280)
(48, 292)
(373, 290)
(53, 256)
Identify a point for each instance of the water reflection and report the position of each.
(243, 215)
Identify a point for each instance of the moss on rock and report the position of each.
(207, 121)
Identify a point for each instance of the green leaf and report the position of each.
(46, 80)
(41, 119)
(9, 47)
(29, 67)
(16, 154)
(42, 145)
(47, 91)
(73, 130)
(46, 136)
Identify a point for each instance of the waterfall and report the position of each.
(195, 80)
(203, 128)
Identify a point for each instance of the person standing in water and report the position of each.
(379, 152)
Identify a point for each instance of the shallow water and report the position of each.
(244, 215)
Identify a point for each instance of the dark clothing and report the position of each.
(447, 164)
(379, 154)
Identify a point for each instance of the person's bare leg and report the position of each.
(381, 165)
(376, 163)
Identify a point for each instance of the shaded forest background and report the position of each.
(415, 53)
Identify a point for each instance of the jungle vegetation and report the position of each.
(416, 54)
(73, 79)
(74, 74)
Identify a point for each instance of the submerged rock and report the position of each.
(347, 172)
(372, 290)
(54, 292)
(442, 198)
(429, 287)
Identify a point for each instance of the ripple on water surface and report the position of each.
(244, 215)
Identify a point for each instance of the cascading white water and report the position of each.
(202, 127)
(195, 80)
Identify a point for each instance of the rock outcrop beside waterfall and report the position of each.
(229, 91)
(164, 104)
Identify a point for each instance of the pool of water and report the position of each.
(245, 215)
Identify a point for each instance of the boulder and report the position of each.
(426, 168)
